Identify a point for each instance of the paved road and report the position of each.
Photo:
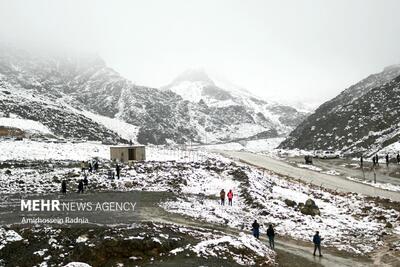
(328, 181)
(382, 172)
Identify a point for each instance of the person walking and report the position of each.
(64, 187)
(271, 236)
(317, 243)
(83, 166)
(387, 159)
(118, 170)
(256, 229)
(96, 166)
(361, 161)
(85, 180)
(398, 158)
(222, 197)
(373, 161)
(80, 186)
(377, 159)
(230, 197)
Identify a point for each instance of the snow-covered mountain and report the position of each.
(364, 117)
(80, 97)
(196, 86)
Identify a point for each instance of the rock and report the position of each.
(388, 225)
(72, 174)
(381, 218)
(128, 184)
(8, 172)
(309, 208)
(56, 179)
(264, 213)
(290, 203)
(310, 202)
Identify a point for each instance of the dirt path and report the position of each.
(289, 253)
(385, 256)
(320, 179)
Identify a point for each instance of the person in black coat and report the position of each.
(377, 159)
(80, 186)
(398, 158)
(317, 243)
(118, 170)
(64, 187)
(85, 180)
(361, 161)
(271, 236)
(96, 166)
(387, 160)
(256, 229)
(373, 161)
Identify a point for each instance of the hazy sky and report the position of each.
(290, 50)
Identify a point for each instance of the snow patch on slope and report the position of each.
(25, 125)
(123, 129)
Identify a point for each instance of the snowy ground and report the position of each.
(25, 125)
(261, 145)
(32, 150)
(347, 222)
(131, 245)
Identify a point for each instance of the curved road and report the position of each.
(328, 181)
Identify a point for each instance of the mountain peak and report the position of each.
(392, 67)
(194, 75)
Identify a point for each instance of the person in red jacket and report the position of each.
(230, 196)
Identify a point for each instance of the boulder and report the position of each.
(290, 203)
(128, 184)
(309, 208)
(264, 213)
(55, 179)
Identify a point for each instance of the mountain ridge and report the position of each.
(355, 121)
(160, 116)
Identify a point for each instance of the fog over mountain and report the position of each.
(276, 50)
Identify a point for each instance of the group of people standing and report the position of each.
(270, 233)
(91, 166)
(87, 168)
(271, 237)
(375, 160)
(222, 195)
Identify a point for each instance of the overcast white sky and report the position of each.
(290, 50)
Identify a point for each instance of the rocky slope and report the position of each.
(57, 91)
(363, 118)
